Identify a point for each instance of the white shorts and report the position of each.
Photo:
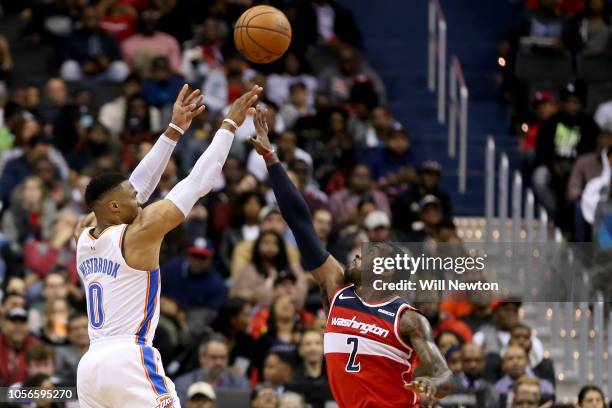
(117, 372)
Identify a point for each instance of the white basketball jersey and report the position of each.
(121, 301)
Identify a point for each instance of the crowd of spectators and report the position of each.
(239, 315)
(562, 111)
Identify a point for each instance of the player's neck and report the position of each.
(372, 296)
(102, 225)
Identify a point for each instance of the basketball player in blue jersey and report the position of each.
(118, 261)
(373, 342)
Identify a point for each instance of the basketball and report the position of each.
(262, 34)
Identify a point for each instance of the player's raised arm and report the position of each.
(147, 174)
(325, 269)
(156, 220)
(416, 329)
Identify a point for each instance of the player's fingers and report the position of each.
(192, 96)
(190, 107)
(182, 93)
(198, 111)
(250, 111)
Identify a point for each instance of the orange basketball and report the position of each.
(262, 34)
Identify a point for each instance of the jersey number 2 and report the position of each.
(96, 312)
(351, 367)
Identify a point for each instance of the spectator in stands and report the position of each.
(279, 85)
(392, 165)
(430, 219)
(562, 138)
(161, 86)
(588, 33)
(6, 60)
(542, 367)
(67, 357)
(264, 397)
(310, 378)
(283, 328)
(515, 365)
(41, 360)
(301, 174)
(527, 393)
(453, 358)
(193, 280)
(544, 107)
(56, 97)
(336, 82)
(297, 106)
(471, 378)
(42, 382)
(141, 48)
(278, 370)
(55, 322)
(244, 224)
(14, 345)
(254, 282)
(445, 340)
(603, 116)
(440, 323)
(113, 114)
(481, 312)
(323, 223)
(204, 52)
(91, 54)
(11, 299)
(30, 214)
(213, 355)
(233, 321)
(406, 209)
(269, 219)
(343, 203)
(118, 18)
(201, 395)
(591, 396)
(42, 257)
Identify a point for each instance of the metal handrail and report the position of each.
(436, 55)
(458, 115)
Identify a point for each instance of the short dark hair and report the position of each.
(101, 185)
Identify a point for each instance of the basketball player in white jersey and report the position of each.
(118, 261)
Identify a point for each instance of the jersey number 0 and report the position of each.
(96, 312)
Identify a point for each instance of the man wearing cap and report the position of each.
(562, 138)
(201, 395)
(192, 280)
(406, 208)
(544, 106)
(392, 165)
(15, 342)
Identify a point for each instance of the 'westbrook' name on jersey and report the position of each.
(99, 265)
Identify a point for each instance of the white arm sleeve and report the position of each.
(146, 175)
(203, 174)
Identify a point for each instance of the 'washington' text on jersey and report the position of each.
(99, 265)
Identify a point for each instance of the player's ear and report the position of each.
(113, 206)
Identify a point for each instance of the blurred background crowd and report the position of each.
(87, 87)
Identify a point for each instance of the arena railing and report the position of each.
(436, 55)
(458, 117)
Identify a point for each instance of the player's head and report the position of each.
(361, 265)
(591, 396)
(112, 198)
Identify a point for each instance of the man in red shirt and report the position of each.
(14, 345)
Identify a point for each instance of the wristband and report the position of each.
(175, 127)
(269, 154)
(231, 122)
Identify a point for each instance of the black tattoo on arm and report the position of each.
(416, 330)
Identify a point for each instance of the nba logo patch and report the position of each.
(165, 401)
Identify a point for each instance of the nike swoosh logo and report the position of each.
(342, 297)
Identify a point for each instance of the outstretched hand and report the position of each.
(424, 387)
(243, 106)
(260, 142)
(186, 107)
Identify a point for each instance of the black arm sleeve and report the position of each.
(295, 211)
